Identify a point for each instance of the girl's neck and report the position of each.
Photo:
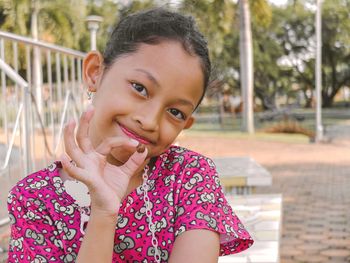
(149, 162)
(137, 180)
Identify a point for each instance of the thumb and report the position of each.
(135, 161)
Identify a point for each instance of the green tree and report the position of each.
(215, 19)
(59, 22)
(15, 16)
(297, 37)
(335, 48)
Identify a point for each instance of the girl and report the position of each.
(149, 201)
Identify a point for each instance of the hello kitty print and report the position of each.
(48, 224)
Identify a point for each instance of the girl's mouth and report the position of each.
(132, 135)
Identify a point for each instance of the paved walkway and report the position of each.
(315, 182)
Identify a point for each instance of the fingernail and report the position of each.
(134, 142)
(140, 148)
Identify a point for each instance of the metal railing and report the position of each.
(40, 87)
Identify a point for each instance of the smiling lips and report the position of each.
(133, 135)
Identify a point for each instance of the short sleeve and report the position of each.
(34, 237)
(201, 204)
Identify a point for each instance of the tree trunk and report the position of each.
(246, 66)
(327, 101)
(308, 100)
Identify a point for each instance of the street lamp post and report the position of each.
(318, 79)
(93, 25)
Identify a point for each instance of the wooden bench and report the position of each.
(262, 216)
(241, 175)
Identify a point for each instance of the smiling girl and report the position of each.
(148, 200)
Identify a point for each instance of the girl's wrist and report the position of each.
(98, 215)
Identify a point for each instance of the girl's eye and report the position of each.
(140, 89)
(178, 114)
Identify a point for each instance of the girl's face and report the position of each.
(148, 95)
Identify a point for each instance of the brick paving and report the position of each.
(314, 180)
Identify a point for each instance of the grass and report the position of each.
(277, 137)
(209, 125)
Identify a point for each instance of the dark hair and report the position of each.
(153, 26)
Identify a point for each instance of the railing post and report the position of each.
(28, 118)
(26, 135)
(37, 76)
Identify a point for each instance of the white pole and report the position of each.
(93, 38)
(319, 127)
(246, 65)
(37, 77)
(93, 26)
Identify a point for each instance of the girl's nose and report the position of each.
(148, 118)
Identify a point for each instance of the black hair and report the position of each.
(153, 26)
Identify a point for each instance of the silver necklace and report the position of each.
(151, 225)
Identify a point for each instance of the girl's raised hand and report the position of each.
(107, 183)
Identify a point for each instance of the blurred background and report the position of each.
(279, 94)
(283, 45)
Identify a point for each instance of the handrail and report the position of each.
(63, 117)
(4, 221)
(24, 111)
(13, 74)
(69, 95)
(42, 44)
(12, 141)
(20, 81)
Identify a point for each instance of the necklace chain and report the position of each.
(151, 225)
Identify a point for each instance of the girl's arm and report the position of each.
(98, 242)
(196, 246)
(107, 184)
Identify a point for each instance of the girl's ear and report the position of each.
(189, 122)
(92, 70)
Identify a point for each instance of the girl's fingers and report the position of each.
(73, 170)
(83, 130)
(108, 144)
(70, 145)
(134, 162)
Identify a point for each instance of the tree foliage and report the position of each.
(60, 22)
(297, 36)
(335, 49)
(283, 38)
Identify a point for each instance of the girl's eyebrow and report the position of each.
(149, 76)
(185, 102)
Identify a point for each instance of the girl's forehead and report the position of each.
(164, 64)
(162, 50)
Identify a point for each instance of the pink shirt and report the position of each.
(185, 192)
